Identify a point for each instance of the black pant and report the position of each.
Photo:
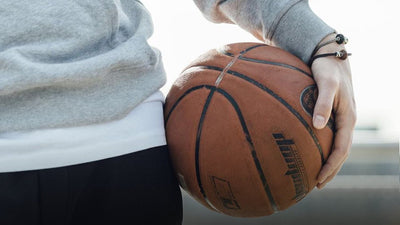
(138, 188)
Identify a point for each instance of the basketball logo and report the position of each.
(308, 98)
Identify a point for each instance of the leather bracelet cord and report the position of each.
(339, 39)
(342, 54)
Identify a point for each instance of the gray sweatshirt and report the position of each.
(78, 62)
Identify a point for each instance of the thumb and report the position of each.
(324, 104)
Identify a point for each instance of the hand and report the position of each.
(333, 78)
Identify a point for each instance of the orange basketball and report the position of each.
(239, 130)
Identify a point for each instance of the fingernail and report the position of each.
(321, 180)
(319, 121)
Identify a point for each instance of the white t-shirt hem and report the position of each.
(53, 159)
(141, 129)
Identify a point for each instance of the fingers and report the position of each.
(327, 89)
(340, 152)
(333, 78)
(322, 185)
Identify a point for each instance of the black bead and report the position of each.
(340, 39)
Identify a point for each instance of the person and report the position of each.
(81, 124)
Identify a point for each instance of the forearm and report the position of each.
(288, 24)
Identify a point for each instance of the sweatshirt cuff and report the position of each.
(299, 31)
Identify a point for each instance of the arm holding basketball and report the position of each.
(288, 24)
(333, 78)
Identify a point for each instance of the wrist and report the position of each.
(333, 45)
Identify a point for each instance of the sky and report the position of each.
(182, 34)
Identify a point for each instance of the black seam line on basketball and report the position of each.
(251, 48)
(253, 151)
(269, 63)
(281, 100)
(180, 99)
(244, 51)
(198, 135)
(245, 130)
(232, 62)
(227, 53)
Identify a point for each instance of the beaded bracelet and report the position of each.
(339, 39)
(342, 54)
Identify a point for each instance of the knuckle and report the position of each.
(353, 101)
(330, 178)
(323, 107)
(343, 152)
(346, 154)
(353, 117)
(332, 82)
(329, 166)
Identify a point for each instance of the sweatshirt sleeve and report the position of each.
(288, 24)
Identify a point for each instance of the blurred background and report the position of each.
(366, 191)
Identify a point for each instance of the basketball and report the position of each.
(239, 130)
